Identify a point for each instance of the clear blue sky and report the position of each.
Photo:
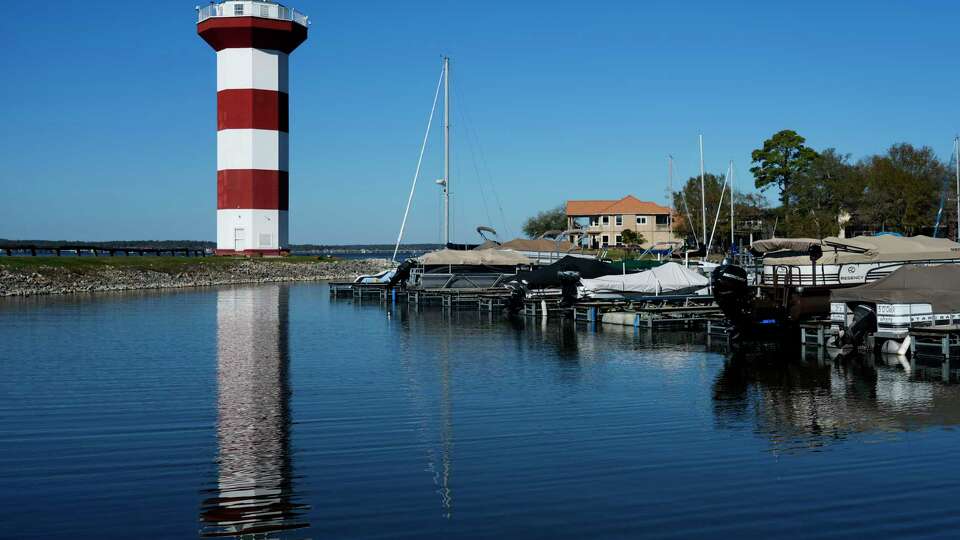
(109, 108)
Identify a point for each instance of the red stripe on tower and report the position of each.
(253, 109)
(252, 40)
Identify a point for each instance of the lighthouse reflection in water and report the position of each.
(253, 493)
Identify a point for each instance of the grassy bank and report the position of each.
(166, 265)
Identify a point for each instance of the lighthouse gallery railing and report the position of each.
(266, 10)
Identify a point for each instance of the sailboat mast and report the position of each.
(956, 155)
(670, 195)
(703, 194)
(732, 237)
(446, 150)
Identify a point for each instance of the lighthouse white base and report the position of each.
(252, 231)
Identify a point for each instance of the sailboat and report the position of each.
(451, 267)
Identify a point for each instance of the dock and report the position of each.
(675, 311)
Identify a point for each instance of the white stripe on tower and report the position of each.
(259, 224)
(252, 68)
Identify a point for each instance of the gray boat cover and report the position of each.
(485, 257)
(862, 249)
(666, 278)
(938, 285)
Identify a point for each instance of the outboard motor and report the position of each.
(402, 274)
(518, 292)
(568, 287)
(864, 322)
(732, 293)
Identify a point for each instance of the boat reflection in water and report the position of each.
(808, 403)
(253, 493)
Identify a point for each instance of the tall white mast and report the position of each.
(703, 194)
(956, 154)
(732, 237)
(670, 195)
(446, 150)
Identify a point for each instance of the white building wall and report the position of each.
(262, 229)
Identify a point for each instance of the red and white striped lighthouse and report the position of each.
(253, 40)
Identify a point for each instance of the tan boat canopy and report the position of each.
(526, 244)
(483, 257)
(860, 249)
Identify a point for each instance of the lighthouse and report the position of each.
(253, 41)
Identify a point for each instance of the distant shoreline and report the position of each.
(31, 276)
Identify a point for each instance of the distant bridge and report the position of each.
(79, 249)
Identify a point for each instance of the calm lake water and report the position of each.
(277, 411)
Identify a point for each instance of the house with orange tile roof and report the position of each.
(602, 222)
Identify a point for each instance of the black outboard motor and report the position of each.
(402, 274)
(568, 287)
(514, 303)
(864, 321)
(732, 293)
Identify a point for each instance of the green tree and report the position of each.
(829, 188)
(902, 188)
(554, 219)
(630, 237)
(782, 159)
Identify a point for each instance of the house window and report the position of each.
(641, 220)
(619, 221)
(594, 220)
(605, 240)
(606, 220)
(663, 219)
(619, 240)
(238, 9)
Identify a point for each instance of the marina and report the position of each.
(474, 271)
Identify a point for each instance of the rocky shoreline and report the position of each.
(41, 279)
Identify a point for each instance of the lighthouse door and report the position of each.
(238, 239)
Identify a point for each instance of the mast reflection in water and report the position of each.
(808, 403)
(253, 495)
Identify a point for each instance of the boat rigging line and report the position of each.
(416, 174)
(686, 207)
(471, 131)
(726, 178)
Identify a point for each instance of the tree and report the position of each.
(903, 188)
(830, 188)
(630, 236)
(782, 159)
(686, 204)
(554, 219)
